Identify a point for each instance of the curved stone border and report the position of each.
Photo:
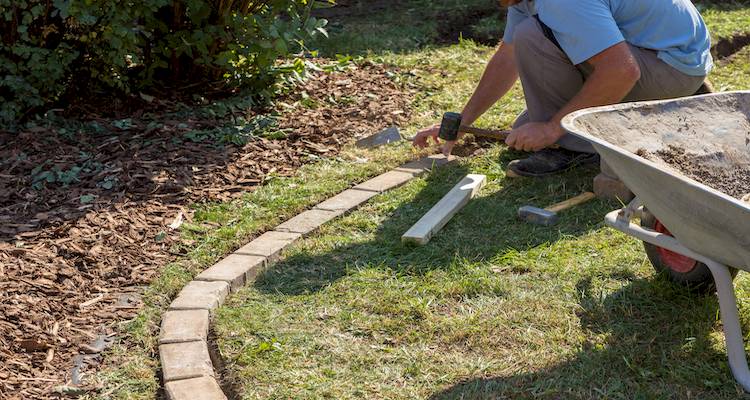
(183, 339)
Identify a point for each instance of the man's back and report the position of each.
(584, 28)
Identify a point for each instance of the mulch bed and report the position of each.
(74, 256)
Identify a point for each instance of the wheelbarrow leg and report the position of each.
(731, 321)
(620, 220)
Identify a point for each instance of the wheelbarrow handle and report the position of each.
(724, 289)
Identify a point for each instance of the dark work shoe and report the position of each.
(551, 161)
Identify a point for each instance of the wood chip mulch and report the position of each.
(75, 256)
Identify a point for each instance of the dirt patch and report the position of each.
(85, 217)
(472, 146)
(729, 46)
(713, 170)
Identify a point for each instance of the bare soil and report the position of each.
(711, 170)
(74, 257)
(728, 46)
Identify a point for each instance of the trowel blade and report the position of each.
(386, 136)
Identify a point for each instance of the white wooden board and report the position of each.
(444, 210)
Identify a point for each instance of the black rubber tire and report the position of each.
(699, 279)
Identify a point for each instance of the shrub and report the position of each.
(51, 48)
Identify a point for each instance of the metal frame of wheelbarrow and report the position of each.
(621, 220)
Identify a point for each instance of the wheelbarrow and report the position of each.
(685, 224)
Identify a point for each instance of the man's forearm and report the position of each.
(599, 90)
(615, 73)
(613, 78)
(498, 78)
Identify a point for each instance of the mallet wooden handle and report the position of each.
(493, 134)
(580, 199)
(489, 133)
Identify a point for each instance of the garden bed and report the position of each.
(91, 213)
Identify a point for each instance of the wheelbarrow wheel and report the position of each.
(678, 268)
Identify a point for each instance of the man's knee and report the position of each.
(527, 33)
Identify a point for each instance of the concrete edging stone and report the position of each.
(183, 340)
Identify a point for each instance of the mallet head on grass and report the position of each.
(537, 216)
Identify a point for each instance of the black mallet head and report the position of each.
(450, 126)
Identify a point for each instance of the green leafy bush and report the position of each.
(51, 48)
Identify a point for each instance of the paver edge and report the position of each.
(270, 262)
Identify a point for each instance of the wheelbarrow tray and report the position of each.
(700, 217)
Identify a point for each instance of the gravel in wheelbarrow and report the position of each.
(716, 170)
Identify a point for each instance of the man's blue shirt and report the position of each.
(584, 28)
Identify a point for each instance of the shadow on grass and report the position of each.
(359, 27)
(487, 227)
(650, 339)
(656, 343)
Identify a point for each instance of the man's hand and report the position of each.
(423, 137)
(447, 147)
(534, 136)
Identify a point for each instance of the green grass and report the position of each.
(491, 308)
(726, 20)
(733, 73)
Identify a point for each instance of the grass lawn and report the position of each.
(492, 307)
(726, 20)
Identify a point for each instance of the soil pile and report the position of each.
(85, 217)
(714, 170)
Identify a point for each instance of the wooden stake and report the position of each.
(444, 210)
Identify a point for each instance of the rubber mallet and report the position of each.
(548, 216)
(451, 126)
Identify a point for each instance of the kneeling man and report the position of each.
(573, 54)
